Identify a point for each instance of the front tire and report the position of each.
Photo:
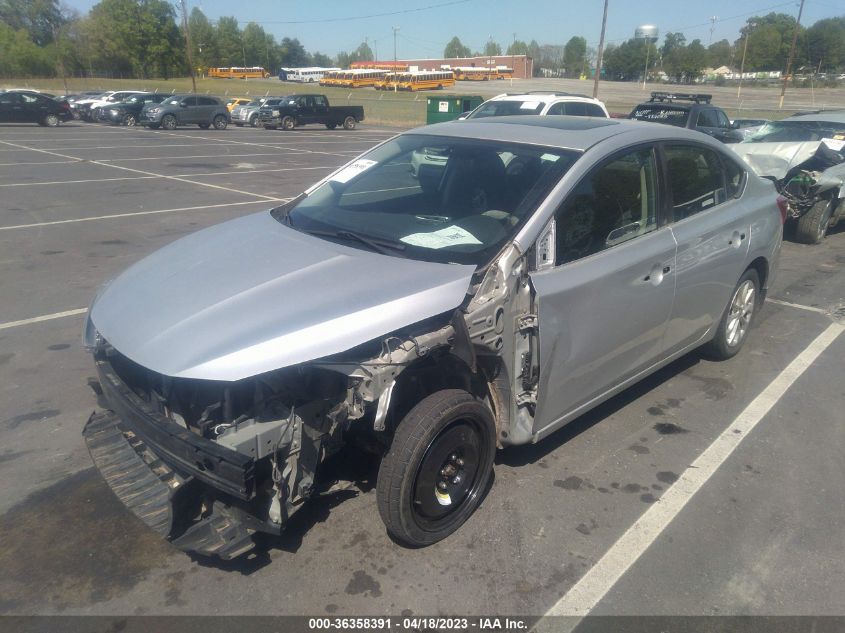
(130, 121)
(737, 318)
(438, 468)
(288, 123)
(813, 225)
(220, 122)
(349, 123)
(253, 120)
(168, 122)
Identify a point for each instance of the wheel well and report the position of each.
(762, 267)
(429, 375)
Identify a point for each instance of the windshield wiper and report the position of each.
(384, 247)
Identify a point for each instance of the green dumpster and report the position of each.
(450, 107)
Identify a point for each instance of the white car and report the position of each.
(542, 103)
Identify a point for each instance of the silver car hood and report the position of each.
(775, 159)
(252, 295)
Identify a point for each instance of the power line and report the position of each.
(364, 17)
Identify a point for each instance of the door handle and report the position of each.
(655, 276)
(736, 239)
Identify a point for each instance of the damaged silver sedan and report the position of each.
(805, 156)
(440, 309)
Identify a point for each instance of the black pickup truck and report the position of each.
(298, 110)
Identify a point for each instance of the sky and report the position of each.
(425, 26)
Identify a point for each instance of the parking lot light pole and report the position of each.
(751, 25)
(791, 55)
(188, 46)
(599, 55)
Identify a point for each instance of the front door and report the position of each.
(603, 309)
(188, 111)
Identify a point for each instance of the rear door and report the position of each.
(321, 109)
(206, 109)
(711, 123)
(603, 309)
(711, 225)
(11, 108)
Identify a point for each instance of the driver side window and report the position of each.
(613, 205)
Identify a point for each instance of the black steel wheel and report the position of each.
(438, 468)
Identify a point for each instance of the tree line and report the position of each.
(144, 38)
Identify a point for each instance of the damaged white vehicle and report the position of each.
(544, 265)
(805, 156)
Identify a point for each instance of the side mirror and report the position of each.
(182, 104)
(734, 125)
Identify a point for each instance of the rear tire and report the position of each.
(438, 468)
(349, 123)
(288, 123)
(737, 318)
(168, 122)
(219, 122)
(51, 120)
(813, 225)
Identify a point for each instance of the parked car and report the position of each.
(692, 111)
(551, 263)
(539, 102)
(233, 102)
(805, 155)
(80, 101)
(298, 110)
(248, 114)
(25, 106)
(91, 110)
(128, 111)
(201, 110)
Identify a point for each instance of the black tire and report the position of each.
(130, 120)
(813, 225)
(448, 439)
(51, 120)
(253, 120)
(220, 122)
(724, 345)
(168, 122)
(331, 126)
(839, 214)
(349, 123)
(288, 123)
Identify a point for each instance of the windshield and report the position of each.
(507, 108)
(797, 131)
(439, 199)
(254, 104)
(660, 114)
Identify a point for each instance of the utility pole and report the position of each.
(599, 55)
(751, 25)
(395, 29)
(713, 19)
(188, 45)
(791, 55)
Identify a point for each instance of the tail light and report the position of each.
(783, 205)
(65, 105)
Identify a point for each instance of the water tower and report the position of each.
(649, 33)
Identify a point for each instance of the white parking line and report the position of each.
(149, 173)
(45, 162)
(45, 317)
(597, 582)
(218, 173)
(277, 154)
(789, 304)
(134, 213)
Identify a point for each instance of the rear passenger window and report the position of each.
(575, 108)
(696, 180)
(206, 101)
(557, 108)
(615, 204)
(593, 110)
(707, 118)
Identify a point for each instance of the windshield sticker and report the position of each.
(450, 236)
(834, 144)
(349, 172)
(529, 105)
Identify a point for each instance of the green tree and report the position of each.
(825, 44)
(517, 47)
(293, 53)
(671, 42)
(255, 45)
(574, 56)
(492, 48)
(160, 42)
(204, 40)
(364, 53)
(322, 60)
(626, 62)
(21, 56)
(229, 42)
(456, 49)
(769, 41)
(38, 18)
(719, 54)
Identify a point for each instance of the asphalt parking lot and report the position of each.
(710, 488)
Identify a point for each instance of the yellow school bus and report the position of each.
(361, 78)
(474, 73)
(426, 80)
(238, 72)
(331, 78)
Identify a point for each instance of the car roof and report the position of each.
(824, 116)
(565, 132)
(546, 96)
